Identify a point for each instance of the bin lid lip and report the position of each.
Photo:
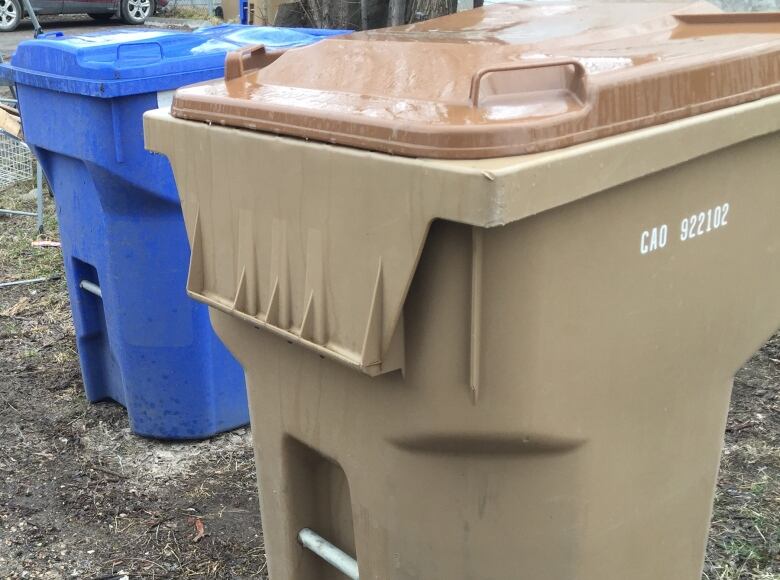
(135, 60)
(506, 79)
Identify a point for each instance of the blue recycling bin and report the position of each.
(142, 341)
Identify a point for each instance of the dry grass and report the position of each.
(19, 260)
(745, 535)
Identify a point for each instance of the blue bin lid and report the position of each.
(132, 61)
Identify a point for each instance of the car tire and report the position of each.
(135, 11)
(101, 16)
(10, 15)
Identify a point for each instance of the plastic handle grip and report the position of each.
(240, 62)
(476, 80)
(139, 50)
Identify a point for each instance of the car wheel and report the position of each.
(136, 11)
(101, 16)
(10, 15)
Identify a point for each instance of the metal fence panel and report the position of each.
(16, 161)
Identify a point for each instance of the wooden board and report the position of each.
(10, 123)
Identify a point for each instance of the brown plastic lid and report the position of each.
(502, 80)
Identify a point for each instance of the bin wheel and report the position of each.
(10, 15)
(101, 16)
(136, 11)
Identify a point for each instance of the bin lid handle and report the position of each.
(240, 62)
(579, 85)
(149, 51)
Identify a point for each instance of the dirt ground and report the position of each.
(82, 497)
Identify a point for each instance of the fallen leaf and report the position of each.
(200, 530)
(16, 308)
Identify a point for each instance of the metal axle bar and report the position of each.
(39, 197)
(343, 562)
(14, 212)
(91, 288)
(20, 282)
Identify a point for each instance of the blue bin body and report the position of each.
(144, 343)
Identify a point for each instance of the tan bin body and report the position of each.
(488, 369)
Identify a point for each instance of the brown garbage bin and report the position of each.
(490, 282)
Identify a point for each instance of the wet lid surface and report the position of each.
(503, 80)
(132, 60)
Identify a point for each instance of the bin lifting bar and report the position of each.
(20, 282)
(91, 288)
(14, 212)
(344, 563)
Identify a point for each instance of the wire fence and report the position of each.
(194, 9)
(16, 161)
